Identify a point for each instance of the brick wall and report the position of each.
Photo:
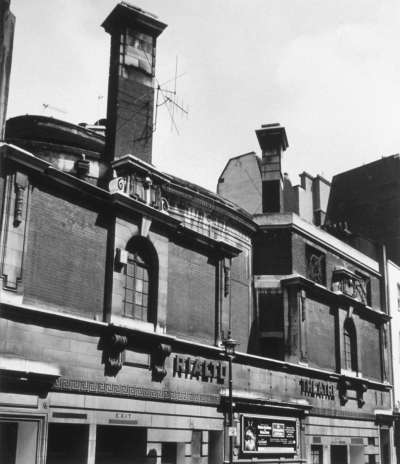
(65, 256)
(134, 120)
(333, 262)
(320, 335)
(369, 348)
(241, 183)
(191, 294)
(368, 199)
(272, 253)
(241, 314)
(241, 305)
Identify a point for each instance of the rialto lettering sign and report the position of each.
(200, 369)
(317, 389)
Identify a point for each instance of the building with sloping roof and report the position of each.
(320, 306)
(122, 285)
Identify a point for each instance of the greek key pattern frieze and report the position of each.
(131, 391)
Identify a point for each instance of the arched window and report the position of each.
(350, 346)
(141, 275)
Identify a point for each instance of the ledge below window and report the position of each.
(303, 282)
(130, 323)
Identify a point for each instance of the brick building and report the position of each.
(367, 198)
(120, 282)
(320, 309)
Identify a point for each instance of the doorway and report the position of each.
(339, 454)
(67, 443)
(18, 442)
(123, 445)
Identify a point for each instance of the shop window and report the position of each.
(67, 443)
(19, 441)
(122, 445)
(385, 445)
(196, 443)
(8, 442)
(168, 453)
(339, 454)
(349, 346)
(316, 454)
(141, 273)
(316, 265)
(371, 459)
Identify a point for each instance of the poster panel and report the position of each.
(268, 435)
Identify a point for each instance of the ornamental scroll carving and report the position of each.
(346, 385)
(141, 188)
(113, 346)
(158, 357)
(352, 285)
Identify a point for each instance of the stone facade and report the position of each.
(120, 284)
(321, 310)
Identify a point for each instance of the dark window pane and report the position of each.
(120, 445)
(67, 444)
(316, 454)
(8, 442)
(136, 287)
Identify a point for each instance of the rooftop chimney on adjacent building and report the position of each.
(272, 139)
(7, 23)
(130, 103)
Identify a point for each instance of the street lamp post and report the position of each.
(229, 345)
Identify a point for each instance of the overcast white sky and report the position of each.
(329, 71)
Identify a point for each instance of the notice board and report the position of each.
(268, 435)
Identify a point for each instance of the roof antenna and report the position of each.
(47, 106)
(168, 98)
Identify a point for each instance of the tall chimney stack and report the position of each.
(7, 24)
(272, 139)
(130, 104)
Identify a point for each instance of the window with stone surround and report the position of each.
(136, 287)
(349, 346)
(140, 280)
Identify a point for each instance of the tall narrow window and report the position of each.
(141, 275)
(349, 346)
(137, 287)
(316, 454)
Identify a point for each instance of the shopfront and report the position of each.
(326, 419)
(278, 415)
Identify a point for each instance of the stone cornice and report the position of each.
(197, 196)
(298, 280)
(319, 236)
(111, 201)
(64, 321)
